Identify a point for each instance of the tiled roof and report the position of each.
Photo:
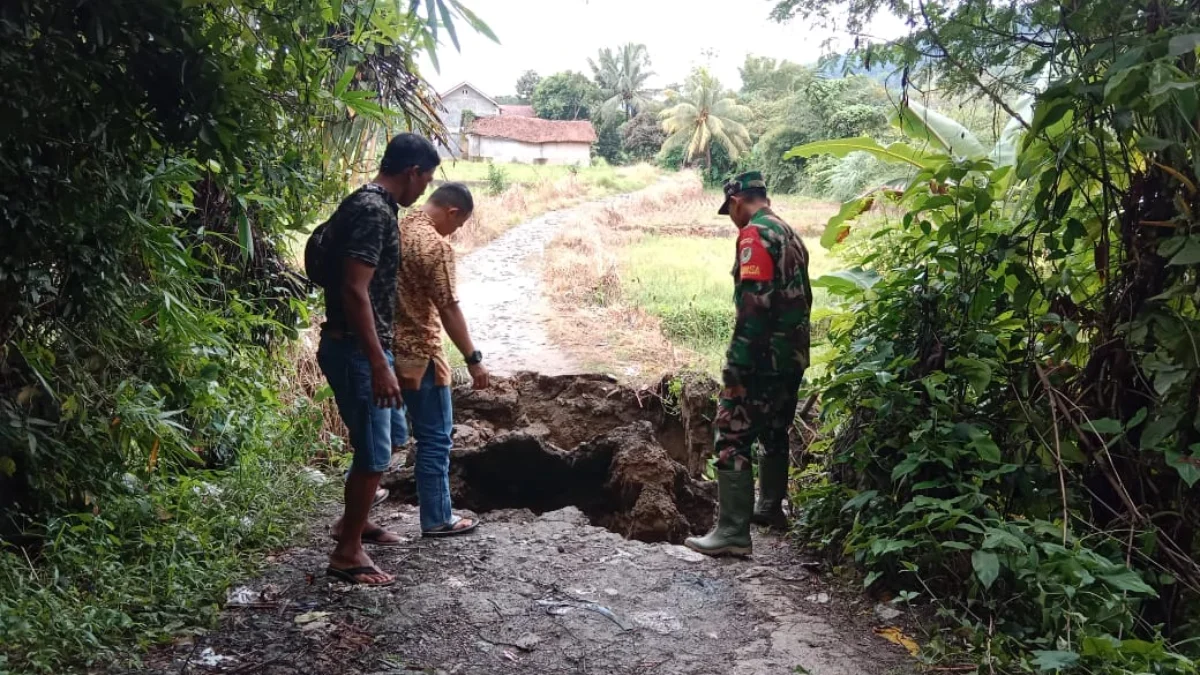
(534, 130)
(517, 110)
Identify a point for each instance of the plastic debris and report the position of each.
(243, 596)
(558, 608)
(210, 659)
(819, 598)
(310, 617)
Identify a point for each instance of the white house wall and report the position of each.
(508, 150)
(567, 153)
(456, 102)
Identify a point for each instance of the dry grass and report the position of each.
(494, 215)
(309, 382)
(688, 209)
(624, 279)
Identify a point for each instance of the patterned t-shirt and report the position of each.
(364, 228)
(424, 286)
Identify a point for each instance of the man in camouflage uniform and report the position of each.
(763, 367)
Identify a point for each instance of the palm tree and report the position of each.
(622, 77)
(706, 113)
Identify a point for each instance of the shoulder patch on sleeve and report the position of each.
(754, 261)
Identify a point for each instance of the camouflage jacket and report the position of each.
(773, 300)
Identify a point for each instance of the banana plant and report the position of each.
(936, 139)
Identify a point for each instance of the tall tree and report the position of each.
(526, 85)
(622, 76)
(642, 137)
(566, 96)
(765, 78)
(706, 113)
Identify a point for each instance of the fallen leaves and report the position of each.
(897, 637)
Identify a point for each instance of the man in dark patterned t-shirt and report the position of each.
(360, 304)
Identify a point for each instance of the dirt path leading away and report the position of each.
(541, 588)
(500, 290)
(542, 595)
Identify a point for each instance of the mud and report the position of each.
(622, 456)
(542, 594)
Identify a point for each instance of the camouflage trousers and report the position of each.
(763, 410)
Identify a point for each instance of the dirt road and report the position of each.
(546, 593)
(500, 290)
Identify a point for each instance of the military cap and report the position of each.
(740, 183)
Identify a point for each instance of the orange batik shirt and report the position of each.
(425, 284)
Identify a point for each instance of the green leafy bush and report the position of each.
(497, 179)
(155, 156)
(1009, 410)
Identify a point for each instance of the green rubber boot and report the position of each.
(731, 536)
(772, 489)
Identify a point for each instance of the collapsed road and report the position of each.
(585, 487)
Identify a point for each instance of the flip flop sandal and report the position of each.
(448, 530)
(372, 537)
(350, 575)
(381, 496)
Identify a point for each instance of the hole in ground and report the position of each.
(623, 481)
(522, 473)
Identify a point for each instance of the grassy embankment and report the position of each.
(517, 193)
(526, 191)
(653, 280)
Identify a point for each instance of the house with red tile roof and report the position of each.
(480, 128)
(529, 140)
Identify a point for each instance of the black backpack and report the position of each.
(317, 253)
(318, 250)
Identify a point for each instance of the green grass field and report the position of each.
(686, 283)
(616, 178)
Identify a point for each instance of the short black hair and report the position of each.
(454, 195)
(408, 150)
(754, 193)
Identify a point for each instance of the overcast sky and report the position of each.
(549, 36)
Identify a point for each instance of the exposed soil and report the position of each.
(618, 454)
(540, 594)
(586, 487)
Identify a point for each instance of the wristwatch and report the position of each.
(474, 358)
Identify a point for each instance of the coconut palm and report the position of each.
(622, 76)
(706, 113)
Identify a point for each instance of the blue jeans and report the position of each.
(432, 418)
(399, 432)
(349, 374)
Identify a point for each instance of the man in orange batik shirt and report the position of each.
(427, 302)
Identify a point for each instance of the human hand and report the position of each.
(385, 386)
(480, 377)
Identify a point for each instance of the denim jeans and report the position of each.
(399, 432)
(349, 374)
(432, 419)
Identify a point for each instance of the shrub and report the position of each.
(497, 179)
